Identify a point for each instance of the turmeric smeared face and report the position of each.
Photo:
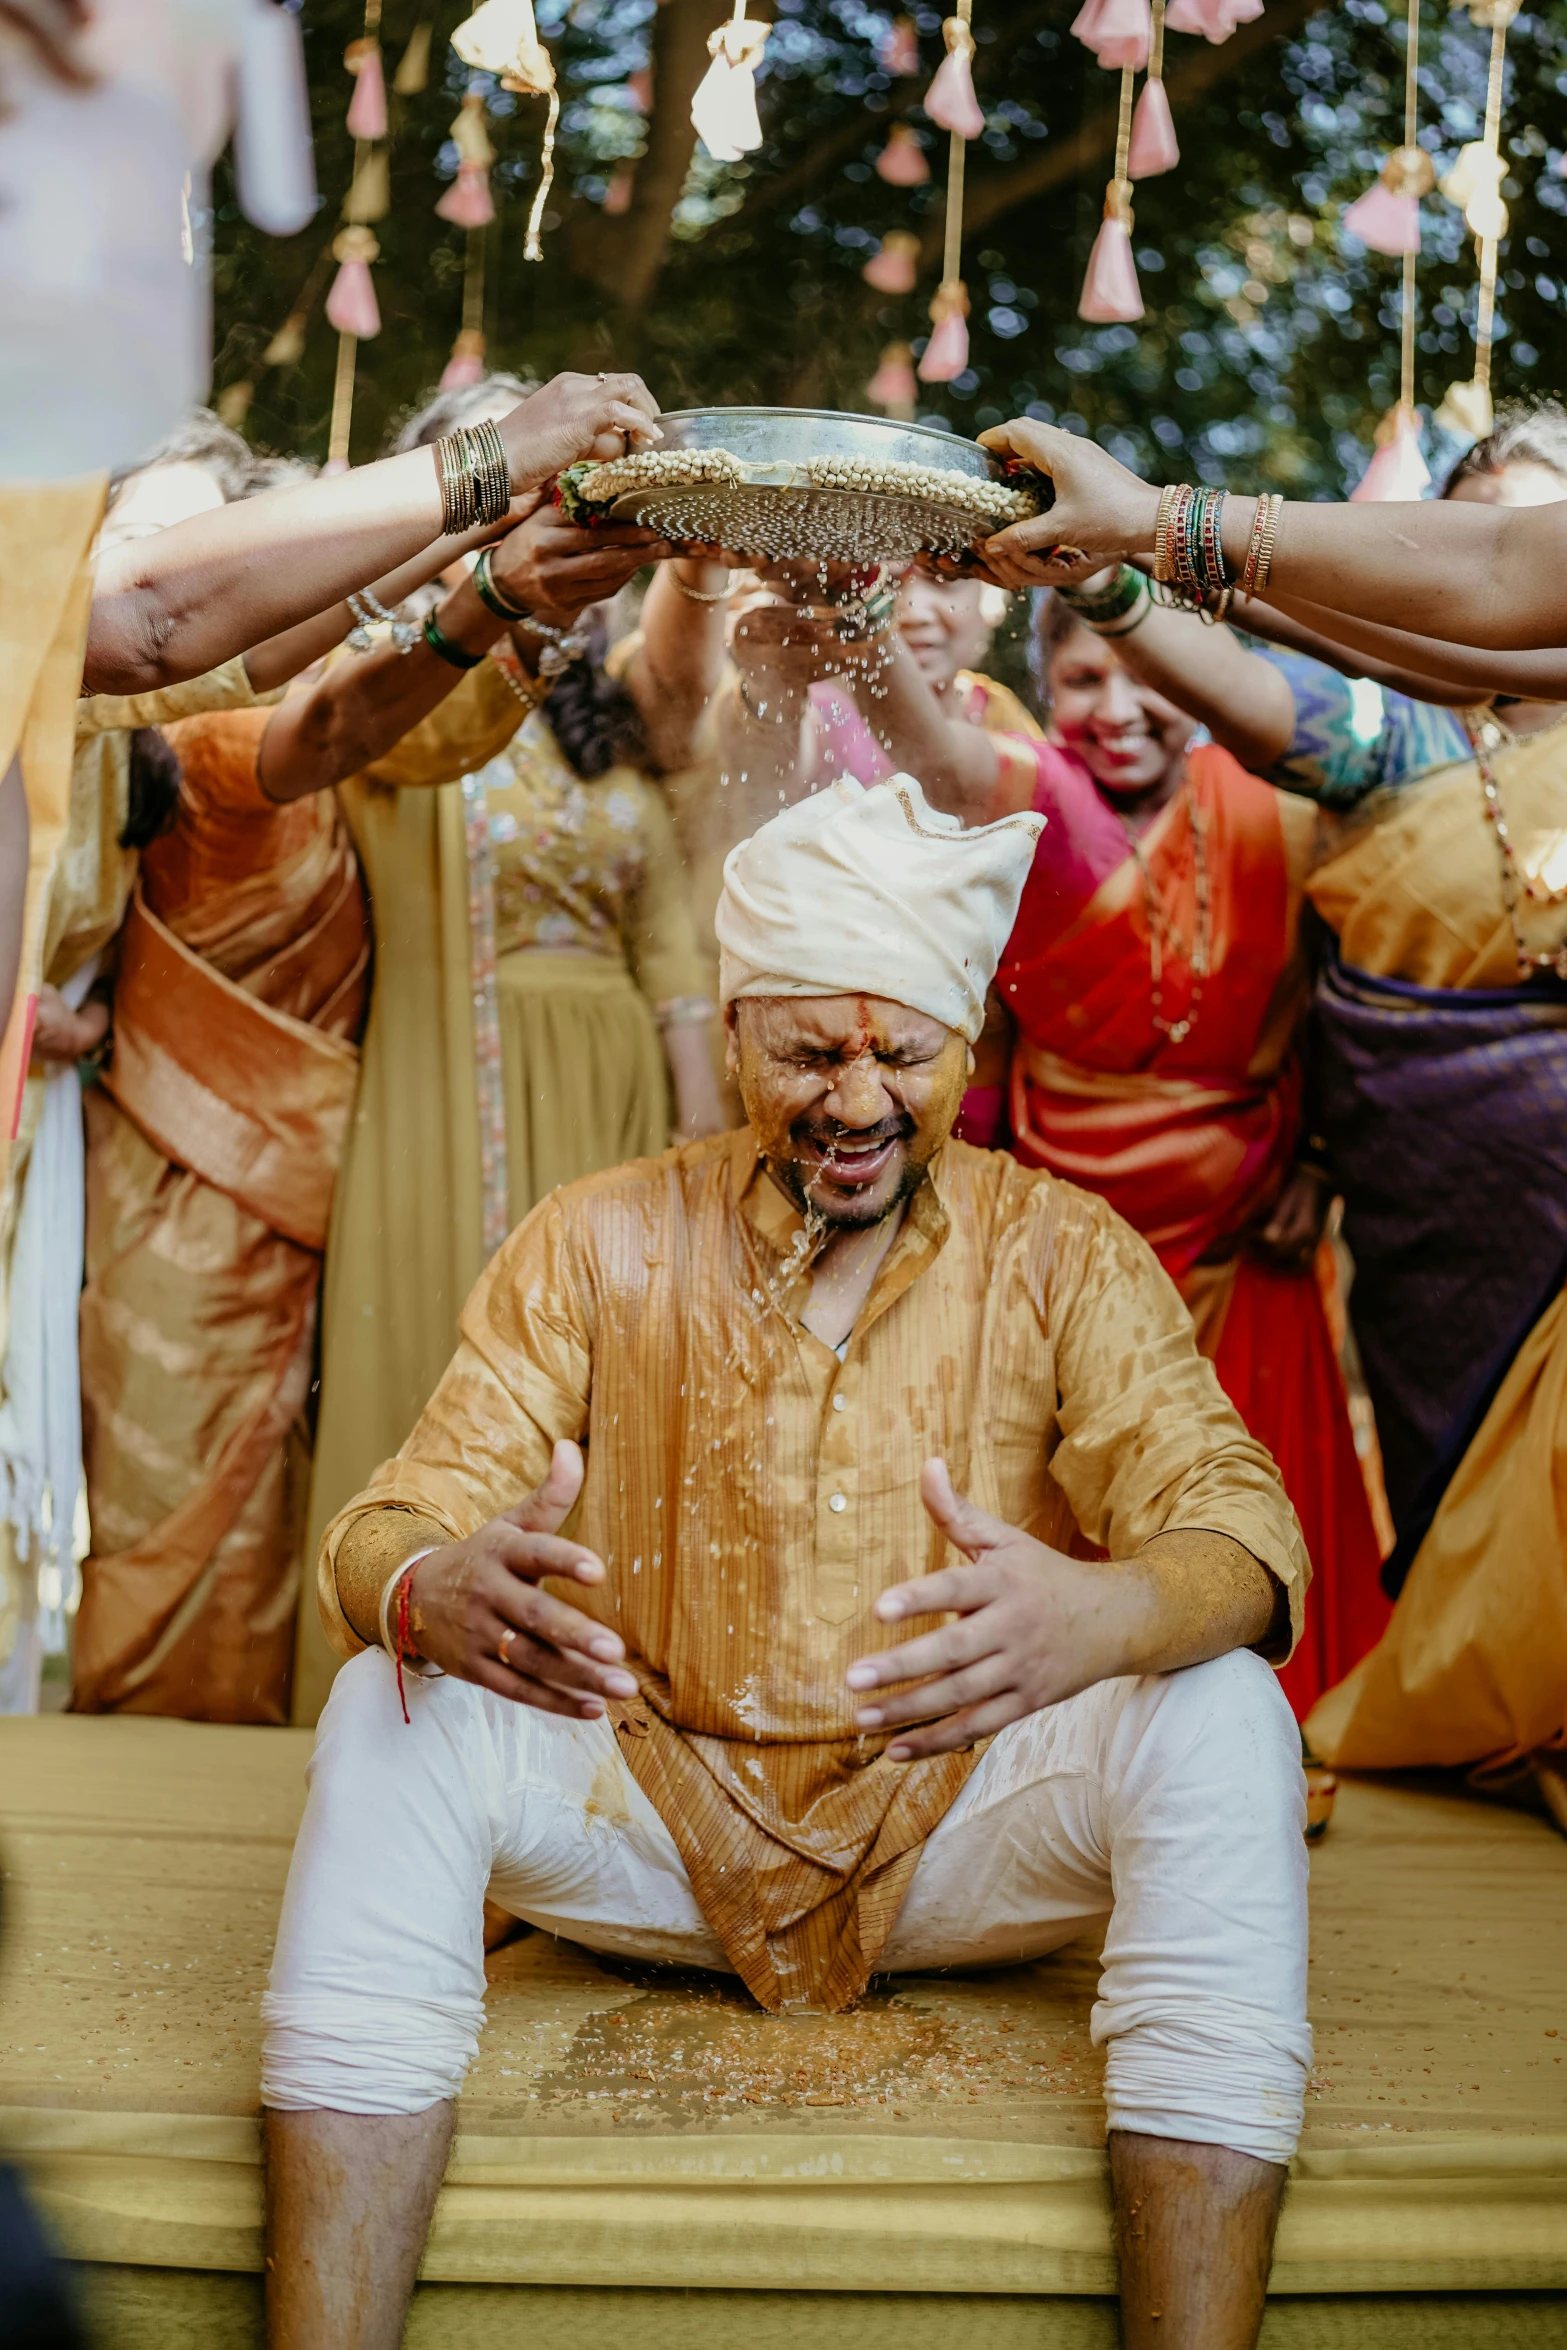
(849, 1097)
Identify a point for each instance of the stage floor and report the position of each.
(625, 2137)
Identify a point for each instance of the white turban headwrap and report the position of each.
(871, 891)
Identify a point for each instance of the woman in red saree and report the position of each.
(1155, 984)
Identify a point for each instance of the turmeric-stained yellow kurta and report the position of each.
(751, 1495)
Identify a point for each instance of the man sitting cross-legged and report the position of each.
(789, 1350)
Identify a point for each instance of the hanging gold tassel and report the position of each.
(413, 68)
(502, 37)
(1475, 184)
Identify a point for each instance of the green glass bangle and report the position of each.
(1105, 603)
(441, 645)
(490, 595)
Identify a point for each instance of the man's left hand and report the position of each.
(1034, 1626)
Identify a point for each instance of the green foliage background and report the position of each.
(1269, 348)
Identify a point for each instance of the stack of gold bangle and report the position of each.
(475, 478)
(1259, 552)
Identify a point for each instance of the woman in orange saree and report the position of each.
(1155, 983)
(212, 1149)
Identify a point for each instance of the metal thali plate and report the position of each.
(776, 512)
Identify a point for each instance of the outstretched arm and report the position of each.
(174, 606)
(366, 703)
(1421, 666)
(679, 663)
(1245, 703)
(1490, 576)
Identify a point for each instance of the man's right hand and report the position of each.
(576, 416)
(470, 1600)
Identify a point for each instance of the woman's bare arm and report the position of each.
(176, 605)
(1429, 671)
(954, 760)
(282, 658)
(366, 703)
(1491, 576)
(1245, 703)
(679, 663)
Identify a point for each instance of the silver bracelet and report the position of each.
(562, 646)
(411, 1664)
(367, 610)
(683, 1011)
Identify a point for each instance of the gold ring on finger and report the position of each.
(504, 1650)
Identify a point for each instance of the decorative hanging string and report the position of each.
(351, 305)
(502, 38)
(1475, 184)
(1485, 309)
(1153, 146)
(1406, 318)
(1387, 218)
(951, 104)
(1110, 289)
(723, 111)
(466, 364)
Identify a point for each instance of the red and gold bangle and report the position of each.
(1217, 578)
(1254, 548)
(1161, 534)
(1270, 527)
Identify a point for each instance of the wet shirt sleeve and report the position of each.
(1149, 1441)
(518, 1383)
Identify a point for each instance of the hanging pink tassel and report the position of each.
(351, 305)
(1119, 32)
(899, 51)
(950, 100)
(1387, 216)
(617, 196)
(1385, 222)
(367, 108)
(467, 202)
(1397, 473)
(1215, 20)
(901, 162)
(946, 354)
(1153, 148)
(466, 364)
(893, 386)
(1110, 292)
(893, 269)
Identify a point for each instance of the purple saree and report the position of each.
(1446, 1117)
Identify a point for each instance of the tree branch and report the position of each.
(625, 256)
(850, 136)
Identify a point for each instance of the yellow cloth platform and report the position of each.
(627, 2130)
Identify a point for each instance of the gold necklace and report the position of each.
(1485, 731)
(1162, 933)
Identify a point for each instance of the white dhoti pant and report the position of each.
(1174, 1805)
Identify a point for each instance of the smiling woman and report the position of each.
(1156, 984)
